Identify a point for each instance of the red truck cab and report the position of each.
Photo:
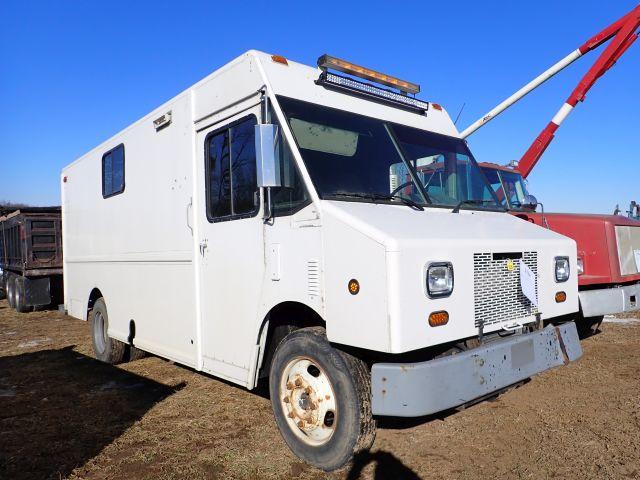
(608, 247)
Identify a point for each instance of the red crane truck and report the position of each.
(608, 245)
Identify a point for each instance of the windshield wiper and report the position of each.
(473, 202)
(377, 196)
(407, 201)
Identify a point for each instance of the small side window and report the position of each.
(113, 172)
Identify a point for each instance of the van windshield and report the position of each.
(353, 157)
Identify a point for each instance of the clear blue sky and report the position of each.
(74, 73)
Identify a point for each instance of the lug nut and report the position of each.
(291, 415)
(290, 386)
(286, 400)
(298, 382)
(301, 424)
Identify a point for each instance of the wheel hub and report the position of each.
(308, 401)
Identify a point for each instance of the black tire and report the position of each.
(136, 354)
(588, 326)
(11, 288)
(19, 299)
(107, 349)
(352, 427)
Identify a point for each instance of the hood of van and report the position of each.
(398, 226)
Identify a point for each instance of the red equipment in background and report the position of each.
(622, 34)
(608, 245)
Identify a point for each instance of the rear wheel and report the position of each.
(136, 354)
(19, 299)
(321, 399)
(107, 349)
(11, 288)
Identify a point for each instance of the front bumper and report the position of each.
(423, 388)
(607, 301)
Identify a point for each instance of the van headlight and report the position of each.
(562, 269)
(439, 279)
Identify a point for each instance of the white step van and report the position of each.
(322, 228)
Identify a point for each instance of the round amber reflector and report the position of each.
(560, 297)
(354, 286)
(437, 319)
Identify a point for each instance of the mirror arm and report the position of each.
(544, 219)
(268, 206)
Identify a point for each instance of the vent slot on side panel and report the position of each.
(313, 277)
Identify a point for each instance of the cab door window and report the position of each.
(231, 181)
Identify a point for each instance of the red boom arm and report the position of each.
(622, 35)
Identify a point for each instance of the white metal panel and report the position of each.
(136, 247)
(412, 239)
(232, 268)
(349, 253)
(628, 242)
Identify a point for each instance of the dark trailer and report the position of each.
(31, 257)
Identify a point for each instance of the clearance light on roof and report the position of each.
(326, 62)
(279, 59)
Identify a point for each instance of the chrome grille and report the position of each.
(497, 293)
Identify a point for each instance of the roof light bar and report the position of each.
(326, 62)
(331, 80)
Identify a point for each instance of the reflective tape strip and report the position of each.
(562, 114)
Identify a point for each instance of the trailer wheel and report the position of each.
(11, 288)
(19, 297)
(107, 349)
(321, 399)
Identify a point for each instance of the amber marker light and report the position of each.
(354, 286)
(279, 59)
(437, 319)
(560, 297)
(327, 61)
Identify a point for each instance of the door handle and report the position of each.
(189, 205)
(203, 246)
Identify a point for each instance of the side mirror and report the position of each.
(530, 202)
(267, 164)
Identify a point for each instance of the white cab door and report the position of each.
(231, 245)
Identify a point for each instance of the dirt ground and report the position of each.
(65, 415)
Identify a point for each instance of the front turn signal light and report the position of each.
(560, 297)
(437, 319)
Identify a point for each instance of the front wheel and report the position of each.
(321, 399)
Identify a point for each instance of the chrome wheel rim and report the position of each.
(308, 401)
